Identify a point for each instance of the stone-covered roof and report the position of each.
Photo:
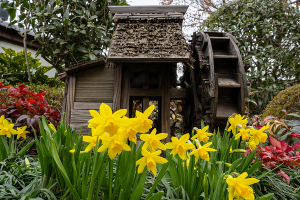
(149, 39)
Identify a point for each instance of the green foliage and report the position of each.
(272, 182)
(69, 31)
(20, 178)
(268, 36)
(13, 65)
(13, 68)
(12, 148)
(288, 100)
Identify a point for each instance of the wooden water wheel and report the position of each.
(218, 81)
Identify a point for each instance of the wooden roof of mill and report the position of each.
(154, 37)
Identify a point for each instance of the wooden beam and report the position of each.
(178, 94)
(146, 59)
(125, 89)
(148, 9)
(70, 98)
(140, 16)
(140, 92)
(117, 88)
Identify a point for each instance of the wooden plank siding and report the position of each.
(92, 87)
(95, 85)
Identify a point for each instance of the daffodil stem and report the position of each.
(94, 174)
(111, 162)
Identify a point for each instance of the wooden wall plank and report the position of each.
(89, 105)
(78, 118)
(95, 85)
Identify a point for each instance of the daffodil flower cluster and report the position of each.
(182, 145)
(7, 129)
(113, 130)
(238, 126)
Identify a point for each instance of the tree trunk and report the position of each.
(26, 57)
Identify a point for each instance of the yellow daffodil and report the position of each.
(115, 144)
(150, 159)
(7, 129)
(240, 187)
(2, 118)
(142, 123)
(236, 123)
(202, 152)
(92, 140)
(22, 132)
(259, 134)
(230, 150)
(244, 133)
(253, 143)
(106, 121)
(129, 131)
(180, 146)
(52, 127)
(202, 135)
(152, 141)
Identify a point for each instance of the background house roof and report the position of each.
(11, 34)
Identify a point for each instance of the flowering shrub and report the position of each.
(25, 107)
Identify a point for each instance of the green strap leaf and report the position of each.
(24, 149)
(157, 196)
(62, 170)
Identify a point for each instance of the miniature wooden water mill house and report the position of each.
(141, 65)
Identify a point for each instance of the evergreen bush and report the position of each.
(288, 99)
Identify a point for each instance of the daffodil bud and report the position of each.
(27, 162)
(197, 143)
(239, 125)
(228, 164)
(239, 151)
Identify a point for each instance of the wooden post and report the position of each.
(117, 87)
(70, 98)
(165, 102)
(125, 89)
(145, 86)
